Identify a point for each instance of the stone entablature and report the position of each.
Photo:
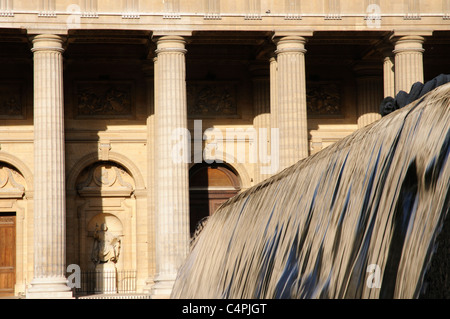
(255, 15)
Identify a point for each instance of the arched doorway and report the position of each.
(209, 186)
(12, 225)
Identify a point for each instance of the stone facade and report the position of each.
(101, 102)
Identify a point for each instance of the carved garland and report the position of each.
(9, 187)
(105, 179)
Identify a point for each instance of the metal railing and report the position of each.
(106, 282)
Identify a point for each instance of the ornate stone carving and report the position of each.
(323, 99)
(105, 179)
(104, 99)
(11, 183)
(11, 101)
(215, 99)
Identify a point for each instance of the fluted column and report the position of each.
(274, 92)
(369, 95)
(151, 180)
(291, 91)
(261, 123)
(49, 171)
(388, 72)
(408, 52)
(172, 188)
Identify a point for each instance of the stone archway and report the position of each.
(210, 185)
(104, 195)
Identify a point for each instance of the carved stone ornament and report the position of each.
(211, 99)
(11, 101)
(104, 99)
(105, 179)
(323, 99)
(11, 183)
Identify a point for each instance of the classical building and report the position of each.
(124, 123)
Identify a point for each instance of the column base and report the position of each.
(162, 289)
(49, 288)
(149, 283)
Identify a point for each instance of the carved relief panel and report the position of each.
(104, 99)
(12, 101)
(212, 99)
(323, 99)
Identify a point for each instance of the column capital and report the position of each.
(408, 43)
(170, 44)
(290, 44)
(47, 42)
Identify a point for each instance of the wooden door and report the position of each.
(210, 186)
(7, 254)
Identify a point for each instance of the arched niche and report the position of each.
(114, 227)
(104, 193)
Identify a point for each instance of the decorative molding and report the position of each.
(6, 8)
(212, 99)
(105, 179)
(90, 9)
(171, 9)
(104, 99)
(412, 9)
(21, 168)
(93, 158)
(333, 10)
(47, 8)
(212, 10)
(12, 100)
(253, 10)
(293, 10)
(323, 99)
(446, 9)
(131, 9)
(9, 186)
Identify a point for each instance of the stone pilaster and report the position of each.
(408, 52)
(291, 91)
(49, 171)
(172, 184)
(369, 95)
(261, 121)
